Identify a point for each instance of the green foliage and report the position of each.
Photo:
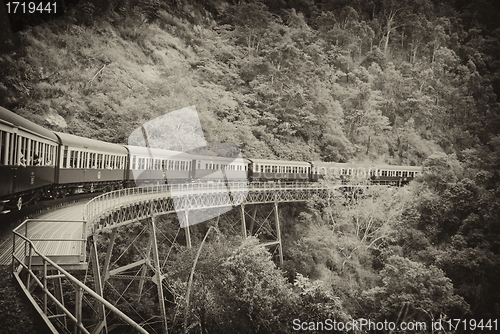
(237, 289)
(16, 316)
(411, 291)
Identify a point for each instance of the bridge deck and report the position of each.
(69, 213)
(63, 241)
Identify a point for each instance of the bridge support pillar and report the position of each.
(186, 228)
(107, 260)
(144, 269)
(101, 312)
(243, 223)
(252, 222)
(278, 233)
(78, 309)
(157, 270)
(58, 292)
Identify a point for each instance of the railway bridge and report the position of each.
(53, 258)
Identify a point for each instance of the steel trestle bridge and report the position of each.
(41, 261)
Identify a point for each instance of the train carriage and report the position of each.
(342, 172)
(357, 172)
(220, 168)
(155, 166)
(89, 165)
(28, 155)
(395, 175)
(269, 170)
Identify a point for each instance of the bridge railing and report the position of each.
(104, 203)
(31, 278)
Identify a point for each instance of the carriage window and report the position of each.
(85, 159)
(4, 148)
(65, 157)
(77, 158)
(22, 154)
(52, 156)
(13, 149)
(28, 155)
(36, 154)
(5, 140)
(3, 151)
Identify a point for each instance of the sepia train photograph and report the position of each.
(246, 166)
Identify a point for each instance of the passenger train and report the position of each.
(38, 163)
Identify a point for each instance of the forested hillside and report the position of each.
(338, 80)
(399, 82)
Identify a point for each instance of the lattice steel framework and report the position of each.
(130, 205)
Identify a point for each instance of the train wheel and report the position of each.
(19, 203)
(63, 193)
